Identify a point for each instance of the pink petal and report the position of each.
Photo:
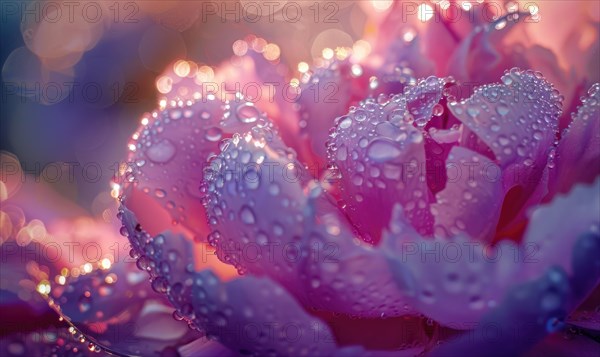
(254, 204)
(326, 95)
(554, 228)
(441, 272)
(169, 154)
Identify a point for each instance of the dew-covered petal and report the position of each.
(471, 201)
(169, 151)
(379, 152)
(233, 312)
(578, 152)
(254, 205)
(517, 119)
(236, 313)
(469, 276)
(472, 276)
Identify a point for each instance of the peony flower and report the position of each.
(434, 190)
(390, 208)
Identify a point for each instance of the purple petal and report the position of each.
(554, 228)
(254, 205)
(471, 201)
(517, 121)
(232, 312)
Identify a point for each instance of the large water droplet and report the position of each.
(213, 134)
(502, 109)
(161, 152)
(247, 113)
(382, 150)
(247, 215)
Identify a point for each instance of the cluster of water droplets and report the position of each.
(377, 143)
(517, 119)
(181, 138)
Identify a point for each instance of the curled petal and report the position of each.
(474, 276)
(517, 120)
(326, 95)
(457, 272)
(515, 124)
(522, 319)
(344, 274)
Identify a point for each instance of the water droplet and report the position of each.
(360, 115)
(472, 111)
(247, 215)
(345, 123)
(274, 189)
(247, 113)
(502, 109)
(382, 150)
(213, 134)
(438, 110)
(161, 152)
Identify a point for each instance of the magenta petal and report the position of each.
(472, 276)
(517, 120)
(380, 156)
(345, 275)
(578, 152)
(471, 201)
(237, 315)
(326, 95)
